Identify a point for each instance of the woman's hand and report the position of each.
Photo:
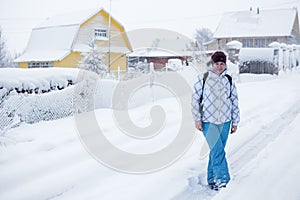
(198, 125)
(233, 129)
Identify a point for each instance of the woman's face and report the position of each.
(219, 67)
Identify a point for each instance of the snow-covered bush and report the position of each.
(93, 59)
(37, 80)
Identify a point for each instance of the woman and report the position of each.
(216, 112)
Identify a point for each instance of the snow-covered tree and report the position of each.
(93, 59)
(203, 35)
(5, 59)
(3, 52)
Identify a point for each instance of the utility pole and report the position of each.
(109, 34)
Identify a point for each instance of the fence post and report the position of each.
(151, 67)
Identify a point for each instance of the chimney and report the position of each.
(257, 12)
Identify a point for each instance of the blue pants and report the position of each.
(216, 136)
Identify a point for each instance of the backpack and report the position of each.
(205, 75)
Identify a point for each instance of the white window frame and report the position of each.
(40, 64)
(100, 33)
(260, 43)
(247, 43)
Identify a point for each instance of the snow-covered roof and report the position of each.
(49, 44)
(253, 24)
(52, 38)
(159, 38)
(72, 18)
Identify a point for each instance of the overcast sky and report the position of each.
(18, 17)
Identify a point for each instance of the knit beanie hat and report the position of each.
(218, 56)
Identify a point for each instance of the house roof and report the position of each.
(159, 38)
(72, 18)
(55, 41)
(56, 36)
(256, 24)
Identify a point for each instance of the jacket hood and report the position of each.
(222, 74)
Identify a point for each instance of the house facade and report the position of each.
(158, 46)
(61, 40)
(256, 28)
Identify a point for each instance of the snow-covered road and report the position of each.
(49, 162)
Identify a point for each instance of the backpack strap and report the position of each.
(229, 79)
(205, 75)
(230, 82)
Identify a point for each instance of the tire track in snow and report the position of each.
(245, 152)
(248, 150)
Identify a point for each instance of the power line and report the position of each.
(285, 3)
(21, 18)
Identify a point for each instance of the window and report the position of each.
(40, 64)
(247, 43)
(100, 33)
(260, 43)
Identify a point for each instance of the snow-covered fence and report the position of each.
(35, 107)
(279, 56)
(22, 92)
(257, 60)
(31, 107)
(286, 56)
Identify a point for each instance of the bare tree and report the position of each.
(203, 35)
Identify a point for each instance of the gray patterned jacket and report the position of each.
(217, 106)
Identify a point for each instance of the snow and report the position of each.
(275, 45)
(12, 78)
(250, 24)
(234, 45)
(273, 170)
(256, 54)
(47, 160)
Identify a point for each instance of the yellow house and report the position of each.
(60, 40)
